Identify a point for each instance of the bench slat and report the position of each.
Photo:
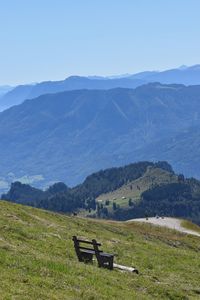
(85, 248)
(88, 251)
(88, 242)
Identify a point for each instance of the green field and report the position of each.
(37, 259)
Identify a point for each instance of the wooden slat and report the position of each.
(88, 242)
(88, 251)
(85, 248)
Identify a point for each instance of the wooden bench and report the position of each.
(85, 254)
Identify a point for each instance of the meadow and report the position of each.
(38, 261)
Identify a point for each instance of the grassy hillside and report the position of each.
(37, 259)
(134, 188)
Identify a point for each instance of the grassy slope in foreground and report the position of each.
(37, 259)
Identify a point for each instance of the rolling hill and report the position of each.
(59, 197)
(133, 191)
(37, 259)
(134, 188)
(157, 192)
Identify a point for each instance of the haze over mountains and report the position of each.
(68, 135)
(23, 92)
(183, 75)
(5, 89)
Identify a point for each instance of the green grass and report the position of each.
(189, 225)
(37, 259)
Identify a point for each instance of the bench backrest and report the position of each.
(78, 245)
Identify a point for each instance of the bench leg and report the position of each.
(106, 262)
(110, 266)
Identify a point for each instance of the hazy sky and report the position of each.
(53, 39)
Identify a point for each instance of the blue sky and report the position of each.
(53, 39)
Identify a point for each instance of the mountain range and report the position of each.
(68, 135)
(23, 92)
(183, 75)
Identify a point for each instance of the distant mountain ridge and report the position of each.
(23, 92)
(183, 75)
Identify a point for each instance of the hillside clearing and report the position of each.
(134, 188)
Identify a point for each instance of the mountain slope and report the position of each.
(38, 260)
(182, 150)
(66, 136)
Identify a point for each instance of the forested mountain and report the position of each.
(59, 197)
(179, 198)
(162, 192)
(66, 136)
